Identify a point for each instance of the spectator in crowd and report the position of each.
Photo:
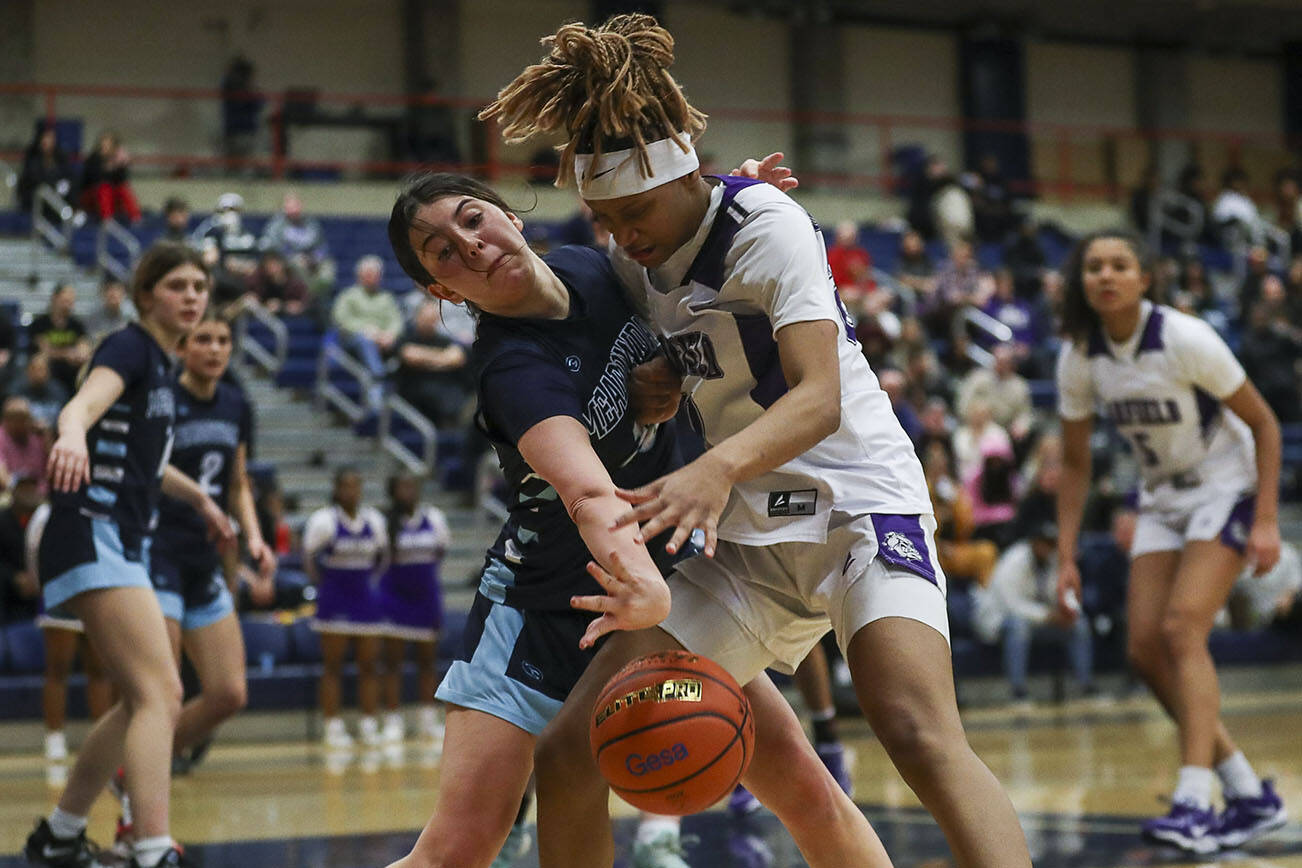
(1004, 391)
(849, 261)
(1288, 207)
(1196, 209)
(61, 337)
(1020, 606)
(1141, 199)
(1271, 351)
(914, 267)
(1258, 270)
(1027, 320)
(176, 221)
(241, 110)
(105, 186)
(939, 206)
(431, 127)
(961, 557)
(993, 203)
(367, 317)
(1293, 291)
(1044, 470)
(957, 284)
(296, 236)
(1025, 258)
(277, 287)
(926, 378)
(895, 385)
(19, 587)
(432, 374)
(992, 485)
(43, 163)
(237, 248)
(271, 520)
(1234, 213)
(230, 291)
(1272, 600)
(937, 428)
(976, 428)
(115, 309)
(22, 444)
(8, 352)
(45, 395)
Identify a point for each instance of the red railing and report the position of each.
(1068, 160)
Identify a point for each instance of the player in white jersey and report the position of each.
(813, 504)
(1208, 449)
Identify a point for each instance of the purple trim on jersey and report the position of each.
(762, 358)
(1239, 524)
(902, 542)
(1209, 412)
(1151, 340)
(707, 267)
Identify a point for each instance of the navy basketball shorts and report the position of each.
(191, 591)
(80, 554)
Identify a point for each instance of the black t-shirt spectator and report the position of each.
(14, 606)
(439, 395)
(58, 337)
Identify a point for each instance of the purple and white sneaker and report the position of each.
(742, 803)
(1186, 826)
(832, 754)
(1246, 818)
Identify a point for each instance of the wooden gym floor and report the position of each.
(1082, 775)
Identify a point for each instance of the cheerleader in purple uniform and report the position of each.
(412, 603)
(345, 547)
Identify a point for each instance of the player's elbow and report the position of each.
(585, 502)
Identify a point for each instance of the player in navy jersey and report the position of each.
(211, 443)
(1208, 449)
(555, 350)
(345, 551)
(811, 499)
(411, 602)
(106, 471)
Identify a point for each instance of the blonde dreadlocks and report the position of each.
(600, 85)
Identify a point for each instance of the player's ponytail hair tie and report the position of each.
(606, 87)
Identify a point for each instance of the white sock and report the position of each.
(652, 826)
(1238, 779)
(65, 825)
(149, 850)
(1194, 787)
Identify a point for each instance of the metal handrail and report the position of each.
(59, 237)
(1162, 217)
(112, 229)
(907, 297)
(419, 464)
(272, 360)
(331, 394)
(988, 325)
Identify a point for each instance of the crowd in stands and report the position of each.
(965, 351)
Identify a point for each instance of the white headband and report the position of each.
(619, 173)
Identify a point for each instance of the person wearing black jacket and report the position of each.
(18, 585)
(105, 190)
(43, 163)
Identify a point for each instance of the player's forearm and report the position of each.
(796, 423)
(246, 510)
(177, 485)
(1269, 445)
(1072, 490)
(593, 515)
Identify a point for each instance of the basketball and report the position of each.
(672, 733)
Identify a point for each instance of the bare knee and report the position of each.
(226, 699)
(1184, 633)
(805, 787)
(919, 742)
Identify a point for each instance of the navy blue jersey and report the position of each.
(529, 370)
(203, 448)
(129, 445)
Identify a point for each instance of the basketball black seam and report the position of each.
(736, 735)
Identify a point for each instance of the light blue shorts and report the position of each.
(96, 563)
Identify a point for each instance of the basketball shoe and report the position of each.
(1186, 826)
(663, 851)
(742, 803)
(173, 858)
(1245, 818)
(833, 755)
(44, 849)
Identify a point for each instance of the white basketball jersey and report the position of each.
(756, 264)
(1163, 389)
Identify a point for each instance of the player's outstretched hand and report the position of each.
(1262, 548)
(1068, 593)
(631, 602)
(691, 497)
(768, 171)
(69, 464)
(656, 389)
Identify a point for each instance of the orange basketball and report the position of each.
(672, 733)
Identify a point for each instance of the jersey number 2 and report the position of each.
(210, 468)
